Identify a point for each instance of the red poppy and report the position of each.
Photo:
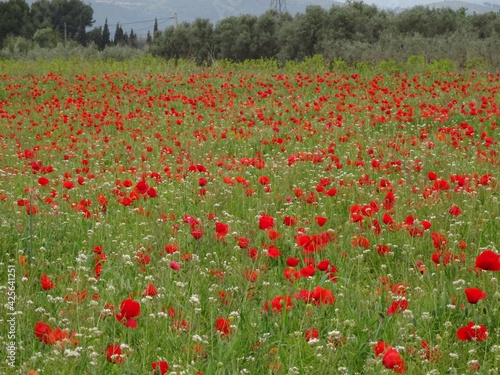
(266, 222)
(221, 230)
(264, 180)
(322, 296)
(311, 334)
(292, 262)
(175, 266)
(393, 360)
(43, 181)
(197, 233)
(475, 332)
(320, 220)
(397, 306)
(243, 242)
(278, 303)
(202, 181)
(141, 187)
(42, 331)
(474, 295)
(380, 348)
(307, 271)
(273, 252)
(223, 326)
(488, 260)
(130, 310)
(46, 282)
(114, 354)
(159, 368)
(150, 291)
(47, 335)
(383, 249)
(290, 221)
(455, 210)
(68, 184)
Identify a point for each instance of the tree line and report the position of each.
(352, 32)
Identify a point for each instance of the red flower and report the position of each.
(150, 291)
(52, 336)
(43, 181)
(68, 184)
(472, 332)
(46, 282)
(292, 262)
(243, 242)
(175, 266)
(290, 221)
(320, 220)
(141, 187)
(455, 210)
(307, 271)
(197, 233)
(392, 360)
(277, 304)
(130, 310)
(474, 295)
(383, 249)
(264, 180)
(311, 334)
(42, 331)
(221, 230)
(273, 252)
(223, 326)
(397, 306)
(380, 348)
(114, 354)
(322, 296)
(159, 368)
(266, 222)
(488, 260)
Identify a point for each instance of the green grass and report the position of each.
(111, 123)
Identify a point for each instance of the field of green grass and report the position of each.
(235, 220)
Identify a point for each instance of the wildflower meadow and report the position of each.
(236, 220)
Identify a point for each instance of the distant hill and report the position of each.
(140, 15)
(470, 7)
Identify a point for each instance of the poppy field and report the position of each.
(239, 221)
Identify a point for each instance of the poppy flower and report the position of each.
(114, 354)
(455, 210)
(243, 242)
(397, 306)
(46, 282)
(290, 221)
(47, 335)
(150, 291)
(320, 220)
(475, 332)
(68, 184)
(197, 233)
(141, 187)
(474, 295)
(307, 271)
(393, 361)
(322, 296)
(221, 230)
(130, 310)
(278, 303)
(380, 348)
(266, 222)
(273, 252)
(292, 262)
(159, 368)
(42, 331)
(43, 181)
(223, 326)
(311, 334)
(175, 266)
(488, 260)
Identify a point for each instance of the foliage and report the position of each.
(249, 219)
